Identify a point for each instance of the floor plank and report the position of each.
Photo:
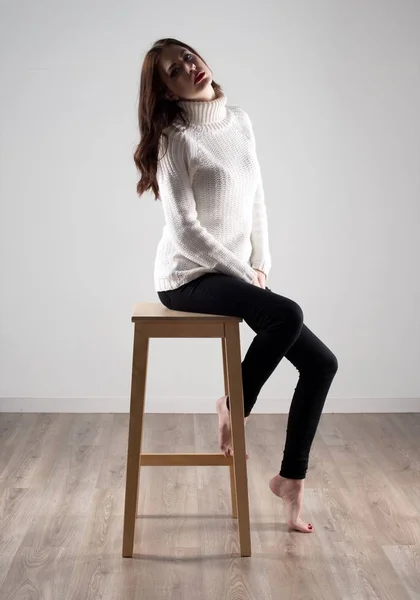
(62, 481)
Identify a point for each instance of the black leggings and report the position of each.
(278, 323)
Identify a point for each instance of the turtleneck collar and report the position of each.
(203, 112)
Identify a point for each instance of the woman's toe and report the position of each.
(301, 526)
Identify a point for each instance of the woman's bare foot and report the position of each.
(291, 491)
(225, 432)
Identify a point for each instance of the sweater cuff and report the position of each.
(263, 266)
(250, 274)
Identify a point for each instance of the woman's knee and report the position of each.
(330, 363)
(287, 317)
(294, 315)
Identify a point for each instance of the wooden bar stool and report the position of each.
(153, 320)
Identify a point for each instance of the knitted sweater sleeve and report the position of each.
(179, 207)
(260, 257)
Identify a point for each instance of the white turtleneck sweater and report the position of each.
(212, 197)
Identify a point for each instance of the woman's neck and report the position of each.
(205, 111)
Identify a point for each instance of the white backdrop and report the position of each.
(333, 90)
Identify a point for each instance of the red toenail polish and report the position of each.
(310, 526)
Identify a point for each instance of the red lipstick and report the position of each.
(199, 77)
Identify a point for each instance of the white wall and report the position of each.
(333, 90)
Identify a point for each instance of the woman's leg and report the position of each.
(317, 366)
(276, 320)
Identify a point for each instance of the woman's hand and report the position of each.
(260, 279)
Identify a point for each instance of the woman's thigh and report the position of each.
(222, 294)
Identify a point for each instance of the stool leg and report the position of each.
(138, 389)
(233, 492)
(233, 358)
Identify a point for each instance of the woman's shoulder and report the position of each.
(175, 143)
(174, 131)
(239, 113)
(236, 109)
(243, 120)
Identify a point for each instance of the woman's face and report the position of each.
(185, 75)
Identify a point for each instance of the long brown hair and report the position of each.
(155, 113)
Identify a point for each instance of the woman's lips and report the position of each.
(199, 77)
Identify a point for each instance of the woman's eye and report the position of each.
(175, 71)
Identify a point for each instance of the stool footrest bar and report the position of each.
(183, 460)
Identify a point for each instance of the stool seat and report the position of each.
(149, 311)
(154, 320)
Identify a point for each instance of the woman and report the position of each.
(198, 156)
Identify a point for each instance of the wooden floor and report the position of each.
(61, 512)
